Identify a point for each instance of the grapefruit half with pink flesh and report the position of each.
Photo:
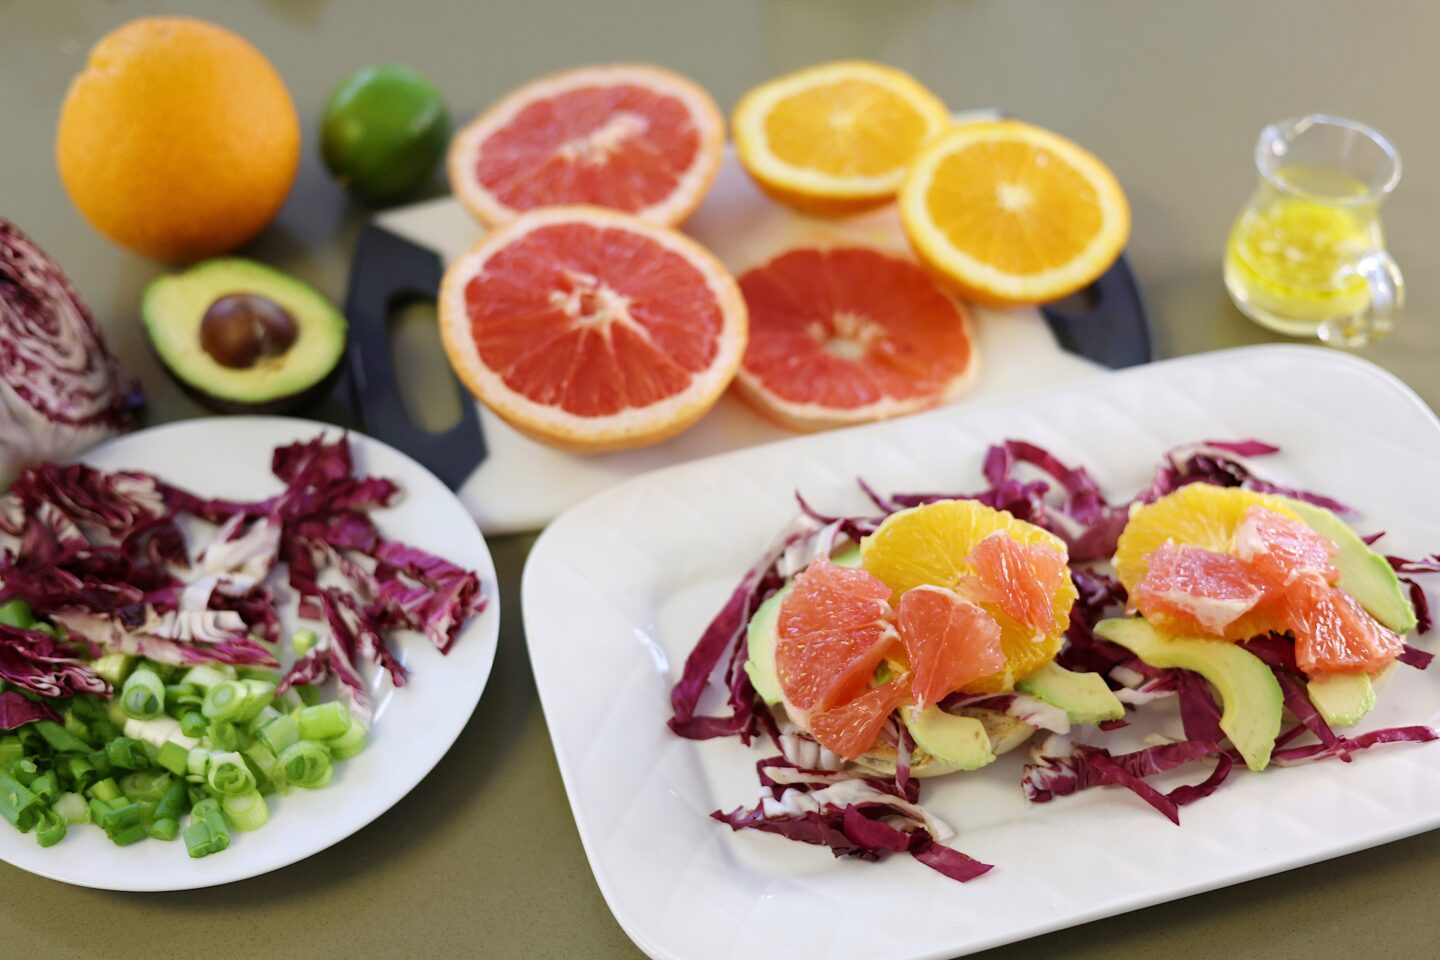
(850, 334)
(631, 137)
(591, 329)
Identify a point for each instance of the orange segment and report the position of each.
(833, 630)
(1012, 213)
(933, 544)
(949, 642)
(837, 137)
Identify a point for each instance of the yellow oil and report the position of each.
(1292, 254)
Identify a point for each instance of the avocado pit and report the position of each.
(239, 329)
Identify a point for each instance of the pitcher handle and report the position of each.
(1387, 298)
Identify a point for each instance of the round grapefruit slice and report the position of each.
(591, 329)
(949, 641)
(849, 334)
(833, 630)
(630, 137)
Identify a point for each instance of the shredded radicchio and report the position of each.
(104, 555)
(17, 710)
(805, 801)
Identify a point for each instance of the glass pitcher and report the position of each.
(1306, 256)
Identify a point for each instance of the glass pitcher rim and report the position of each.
(1283, 129)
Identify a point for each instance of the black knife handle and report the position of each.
(1115, 330)
(386, 271)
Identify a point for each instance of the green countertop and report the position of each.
(482, 859)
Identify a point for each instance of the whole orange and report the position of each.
(178, 140)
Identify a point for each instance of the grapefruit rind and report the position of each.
(632, 427)
(683, 200)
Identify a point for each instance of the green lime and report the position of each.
(384, 130)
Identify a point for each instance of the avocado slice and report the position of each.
(1343, 699)
(1364, 574)
(242, 337)
(1083, 696)
(764, 625)
(956, 741)
(1250, 695)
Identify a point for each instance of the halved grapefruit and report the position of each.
(592, 329)
(850, 334)
(630, 137)
(949, 641)
(834, 629)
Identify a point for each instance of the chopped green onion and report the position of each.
(269, 676)
(100, 760)
(128, 835)
(224, 735)
(145, 785)
(72, 807)
(174, 757)
(207, 832)
(11, 748)
(259, 694)
(279, 733)
(205, 677)
(127, 753)
(227, 773)
(348, 744)
(24, 770)
(76, 725)
(303, 641)
(107, 790)
(17, 613)
(46, 786)
(181, 697)
(79, 772)
(103, 730)
(325, 721)
(143, 696)
(306, 764)
(60, 739)
(127, 815)
(246, 811)
(164, 828)
(113, 667)
(196, 761)
(49, 828)
(193, 723)
(225, 700)
(174, 802)
(308, 693)
(263, 717)
(18, 804)
(98, 809)
(196, 792)
(264, 761)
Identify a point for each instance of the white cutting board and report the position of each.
(522, 484)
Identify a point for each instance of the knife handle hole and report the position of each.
(427, 387)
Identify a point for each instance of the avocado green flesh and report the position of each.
(1250, 695)
(956, 741)
(764, 626)
(174, 306)
(1343, 699)
(1083, 696)
(1364, 574)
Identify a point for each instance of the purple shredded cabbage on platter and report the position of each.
(16, 710)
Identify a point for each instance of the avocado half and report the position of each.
(282, 377)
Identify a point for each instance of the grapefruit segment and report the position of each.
(1189, 589)
(592, 329)
(1333, 633)
(1279, 548)
(850, 334)
(948, 640)
(631, 137)
(834, 628)
(852, 728)
(1020, 579)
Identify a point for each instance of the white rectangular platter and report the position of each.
(618, 589)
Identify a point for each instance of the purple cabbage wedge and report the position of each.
(61, 390)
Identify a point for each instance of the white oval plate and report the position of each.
(230, 457)
(617, 590)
